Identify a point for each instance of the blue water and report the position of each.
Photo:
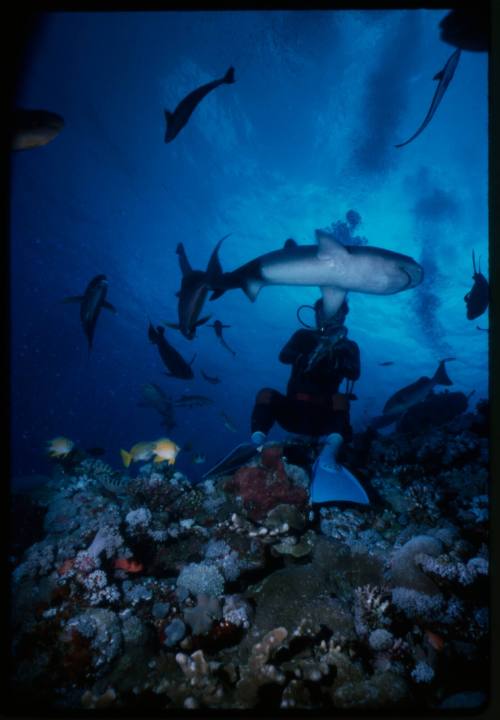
(306, 133)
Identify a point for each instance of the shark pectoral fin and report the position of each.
(202, 320)
(73, 299)
(251, 287)
(439, 75)
(333, 298)
(328, 246)
(216, 294)
(110, 307)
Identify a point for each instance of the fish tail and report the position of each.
(229, 76)
(126, 458)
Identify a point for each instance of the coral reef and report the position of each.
(149, 592)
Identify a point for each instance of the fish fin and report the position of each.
(126, 458)
(152, 334)
(333, 298)
(290, 243)
(328, 247)
(214, 267)
(73, 299)
(203, 320)
(439, 75)
(216, 294)
(110, 307)
(192, 361)
(168, 115)
(184, 263)
(441, 376)
(229, 76)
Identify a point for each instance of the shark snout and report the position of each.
(415, 273)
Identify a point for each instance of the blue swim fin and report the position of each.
(332, 481)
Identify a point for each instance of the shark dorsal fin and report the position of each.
(290, 243)
(328, 246)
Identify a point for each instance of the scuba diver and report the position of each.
(321, 358)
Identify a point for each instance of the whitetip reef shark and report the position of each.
(335, 268)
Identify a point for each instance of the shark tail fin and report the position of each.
(441, 376)
(229, 76)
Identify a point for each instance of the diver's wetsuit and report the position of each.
(312, 405)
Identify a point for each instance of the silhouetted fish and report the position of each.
(467, 28)
(91, 302)
(173, 360)
(217, 325)
(477, 298)
(34, 128)
(188, 400)
(417, 391)
(435, 410)
(177, 119)
(386, 363)
(444, 76)
(193, 292)
(213, 380)
(154, 397)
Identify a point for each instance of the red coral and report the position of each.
(262, 488)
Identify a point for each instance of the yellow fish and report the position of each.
(139, 451)
(60, 447)
(165, 449)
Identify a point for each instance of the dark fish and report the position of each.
(91, 303)
(467, 28)
(217, 325)
(154, 397)
(177, 119)
(173, 360)
(386, 363)
(193, 292)
(213, 380)
(444, 76)
(34, 128)
(188, 400)
(437, 409)
(417, 391)
(477, 298)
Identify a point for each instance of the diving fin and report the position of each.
(238, 456)
(332, 481)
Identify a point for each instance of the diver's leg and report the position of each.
(264, 413)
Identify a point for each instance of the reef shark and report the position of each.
(444, 76)
(91, 303)
(334, 267)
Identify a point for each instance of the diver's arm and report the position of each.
(299, 344)
(348, 360)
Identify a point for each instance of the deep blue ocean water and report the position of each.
(306, 133)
